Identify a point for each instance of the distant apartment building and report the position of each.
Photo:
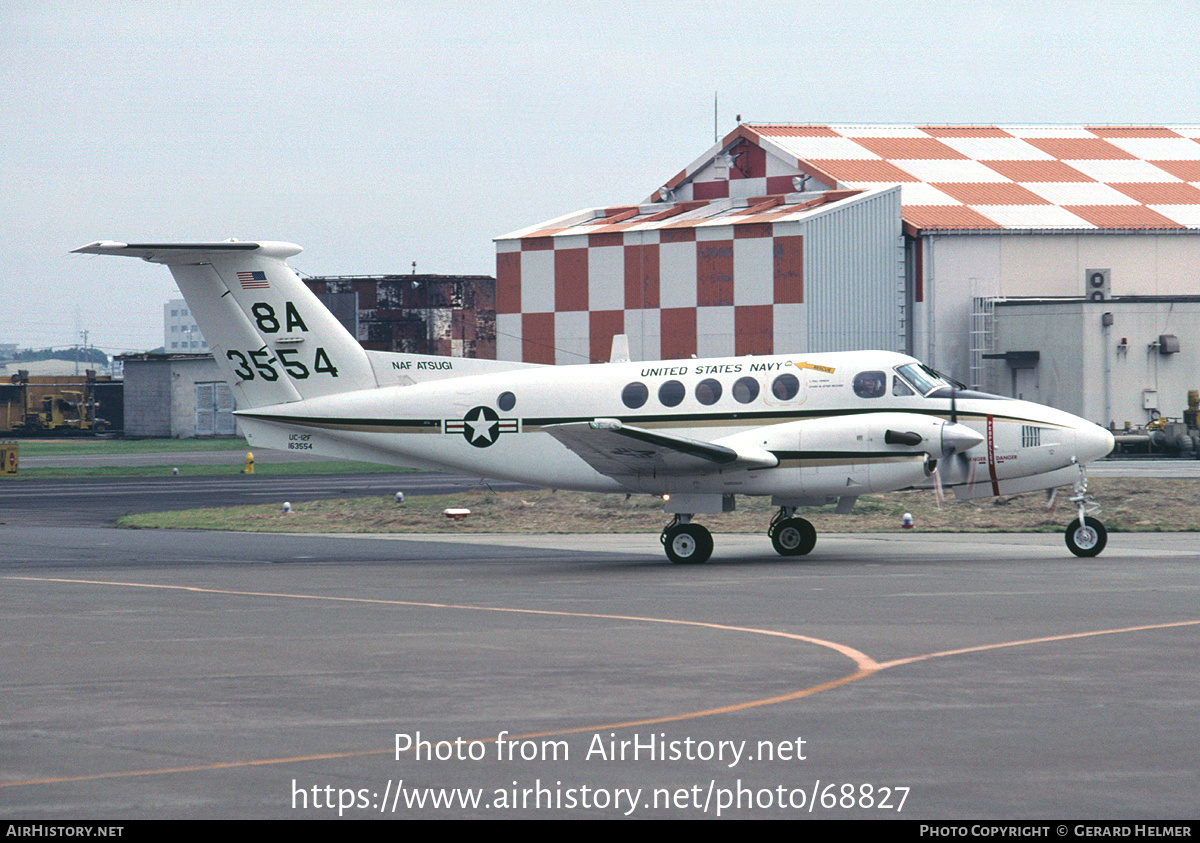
(180, 332)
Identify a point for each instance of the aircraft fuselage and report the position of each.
(810, 411)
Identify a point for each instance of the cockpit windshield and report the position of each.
(923, 379)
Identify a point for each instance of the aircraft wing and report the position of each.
(620, 450)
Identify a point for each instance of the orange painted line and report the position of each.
(862, 660)
(1025, 641)
(866, 667)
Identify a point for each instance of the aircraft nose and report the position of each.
(1092, 442)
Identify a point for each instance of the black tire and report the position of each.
(688, 544)
(793, 537)
(1086, 539)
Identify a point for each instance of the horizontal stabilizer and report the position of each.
(169, 253)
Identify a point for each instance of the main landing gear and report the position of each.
(688, 543)
(791, 536)
(1085, 535)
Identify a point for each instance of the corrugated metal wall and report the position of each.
(854, 276)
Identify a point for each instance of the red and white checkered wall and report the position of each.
(676, 292)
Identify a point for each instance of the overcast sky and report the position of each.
(375, 134)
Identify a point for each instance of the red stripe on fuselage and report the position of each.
(991, 448)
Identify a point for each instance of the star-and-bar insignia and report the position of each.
(481, 426)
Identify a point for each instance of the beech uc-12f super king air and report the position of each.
(805, 429)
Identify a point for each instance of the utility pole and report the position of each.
(83, 334)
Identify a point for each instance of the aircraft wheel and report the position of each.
(793, 537)
(688, 544)
(1088, 538)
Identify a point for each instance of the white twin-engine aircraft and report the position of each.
(806, 429)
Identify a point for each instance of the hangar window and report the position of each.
(708, 391)
(634, 395)
(671, 393)
(870, 384)
(785, 387)
(506, 401)
(745, 390)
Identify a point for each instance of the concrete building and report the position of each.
(176, 396)
(1127, 360)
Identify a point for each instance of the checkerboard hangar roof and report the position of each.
(960, 179)
(981, 179)
(669, 215)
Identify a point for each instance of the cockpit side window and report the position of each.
(899, 387)
(870, 384)
(919, 378)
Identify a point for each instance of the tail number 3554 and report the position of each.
(261, 363)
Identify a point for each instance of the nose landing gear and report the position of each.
(1085, 535)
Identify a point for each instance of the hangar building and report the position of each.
(704, 278)
(934, 240)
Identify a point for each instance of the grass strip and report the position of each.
(234, 468)
(1130, 505)
(68, 447)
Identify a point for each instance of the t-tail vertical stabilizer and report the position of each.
(270, 335)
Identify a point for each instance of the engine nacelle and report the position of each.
(854, 454)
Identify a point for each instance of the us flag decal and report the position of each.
(253, 280)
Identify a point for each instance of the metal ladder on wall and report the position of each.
(982, 339)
